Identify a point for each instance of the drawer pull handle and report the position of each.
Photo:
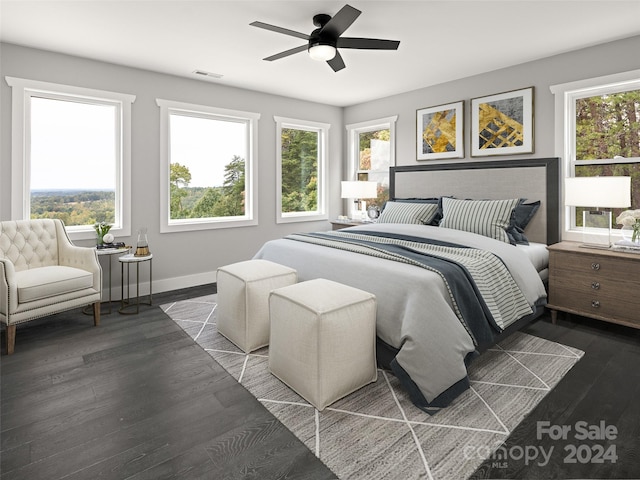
(595, 303)
(595, 266)
(595, 285)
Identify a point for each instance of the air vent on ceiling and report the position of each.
(207, 74)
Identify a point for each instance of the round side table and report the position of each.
(127, 305)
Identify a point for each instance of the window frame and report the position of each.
(322, 129)
(353, 148)
(566, 95)
(250, 218)
(22, 90)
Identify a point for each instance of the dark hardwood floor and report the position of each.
(134, 398)
(603, 388)
(137, 398)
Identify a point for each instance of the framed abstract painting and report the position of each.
(440, 131)
(502, 124)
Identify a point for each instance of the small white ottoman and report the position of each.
(243, 300)
(323, 339)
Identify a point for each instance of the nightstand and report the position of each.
(338, 224)
(595, 283)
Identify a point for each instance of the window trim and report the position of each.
(250, 217)
(21, 92)
(353, 147)
(323, 142)
(566, 95)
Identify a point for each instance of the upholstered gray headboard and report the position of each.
(533, 179)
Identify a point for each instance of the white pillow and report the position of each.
(484, 217)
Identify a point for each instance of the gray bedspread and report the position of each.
(416, 315)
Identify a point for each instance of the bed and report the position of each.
(446, 291)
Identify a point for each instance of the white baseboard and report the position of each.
(186, 281)
(159, 286)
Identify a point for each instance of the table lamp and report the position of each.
(597, 192)
(359, 190)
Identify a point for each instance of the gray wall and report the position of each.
(605, 59)
(185, 258)
(191, 258)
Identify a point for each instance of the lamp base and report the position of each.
(363, 211)
(596, 228)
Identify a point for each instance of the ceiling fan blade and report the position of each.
(337, 63)
(286, 31)
(340, 21)
(286, 53)
(367, 43)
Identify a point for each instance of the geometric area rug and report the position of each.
(376, 432)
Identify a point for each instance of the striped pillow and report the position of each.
(490, 218)
(407, 212)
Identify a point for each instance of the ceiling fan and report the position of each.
(324, 41)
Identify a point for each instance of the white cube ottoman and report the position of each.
(243, 300)
(323, 339)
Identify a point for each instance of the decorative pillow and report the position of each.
(437, 200)
(520, 218)
(490, 218)
(408, 212)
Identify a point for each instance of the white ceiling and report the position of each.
(439, 40)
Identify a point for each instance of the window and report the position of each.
(207, 167)
(71, 156)
(598, 122)
(371, 153)
(301, 170)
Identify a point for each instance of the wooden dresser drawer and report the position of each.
(622, 288)
(621, 309)
(592, 265)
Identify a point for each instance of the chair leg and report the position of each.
(11, 338)
(96, 314)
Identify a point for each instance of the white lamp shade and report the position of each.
(598, 192)
(359, 189)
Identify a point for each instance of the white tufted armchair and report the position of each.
(42, 273)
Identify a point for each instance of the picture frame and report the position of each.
(502, 123)
(440, 131)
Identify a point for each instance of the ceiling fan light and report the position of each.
(322, 52)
